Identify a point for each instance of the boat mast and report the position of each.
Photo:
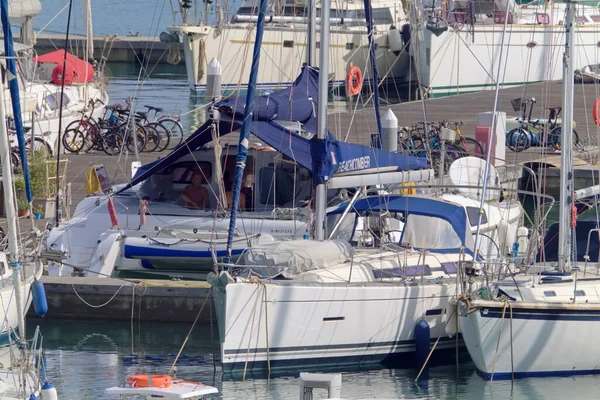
(11, 218)
(311, 36)
(566, 154)
(89, 47)
(240, 162)
(370, 33)
(321, 192)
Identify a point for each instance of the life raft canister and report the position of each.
(596, 112)
(353, 81)
(157, 381)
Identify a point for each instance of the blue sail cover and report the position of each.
(582, 232)
(298, 103)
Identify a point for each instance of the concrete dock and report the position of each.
(125, 49)
(118, 299)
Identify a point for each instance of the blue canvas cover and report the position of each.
(583, 228)
(454, 214)
(325, 158)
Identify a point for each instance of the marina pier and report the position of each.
(125, 49)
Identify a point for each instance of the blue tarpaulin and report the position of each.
(326, 158)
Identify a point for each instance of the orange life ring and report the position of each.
(596, 112)
(354, 81)
(144, 381)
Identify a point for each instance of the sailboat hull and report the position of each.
(328, 326)
(536, 341)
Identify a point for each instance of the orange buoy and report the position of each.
(143, 381)
(596, 112)
(354, 81)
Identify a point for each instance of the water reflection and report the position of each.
(85, 357)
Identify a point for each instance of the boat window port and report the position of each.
(350, 46)
(550, 293)
(473, 214)
(580, 293)
(288, 43)
(52, 102)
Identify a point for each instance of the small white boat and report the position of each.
(176, 390)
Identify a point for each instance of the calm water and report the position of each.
(85, 357)
(164, 86)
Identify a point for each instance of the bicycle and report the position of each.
(469, 146)
(168, 127)
(110, 134)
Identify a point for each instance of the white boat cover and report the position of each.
(290, 258)
(19, 10)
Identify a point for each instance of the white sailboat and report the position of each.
(380, 284)
(541, 322)
(20, 372)
(40, 89)
(456, 43)
(224, 46)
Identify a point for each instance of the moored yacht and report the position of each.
(219, 44)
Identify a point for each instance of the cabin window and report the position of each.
(276, 186)
(580, 293)
(595, 18)
(346, 228)
(288, 43)
(182, 173)
(425, 232)
(52, 100)
(581, 19)
(543, 19)
(247, 11)
(473, 214)
(291, 11)
(349, 46)
(550, 293)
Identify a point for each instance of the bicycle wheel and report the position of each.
(112, 142)
(38, 145)
(130, 142)
(152, 139)
(175, 129)
(471, 147)
(518, 139)
(555, 136)
(164, 136)
(73, 140)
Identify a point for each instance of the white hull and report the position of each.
(453, 63)
(327, 326)
(43, 98)
(280, 65)
(546, 339)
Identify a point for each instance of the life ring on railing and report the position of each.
(353, 81)
(596, 112)
(144, 381)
